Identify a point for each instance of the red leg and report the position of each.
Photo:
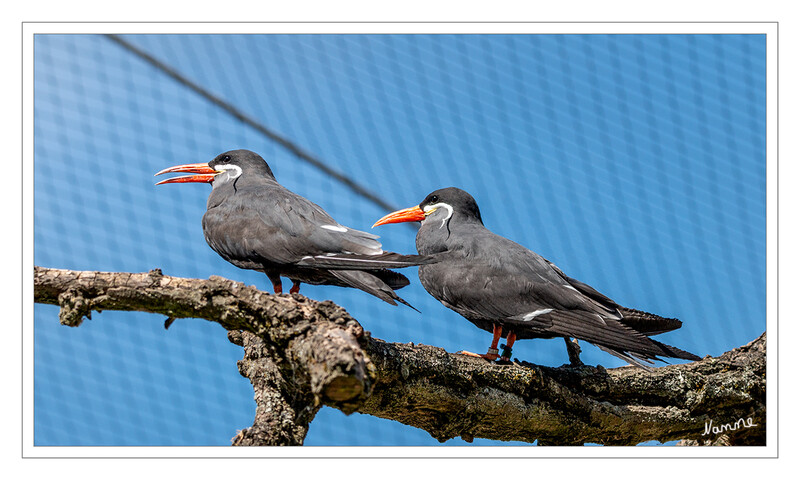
(510, 339)
(295, 287)
(497, 331)
(491, 355)
(276, 282)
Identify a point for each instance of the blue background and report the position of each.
(634, 162)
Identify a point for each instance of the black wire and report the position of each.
(239, 115)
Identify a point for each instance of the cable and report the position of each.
(239, 115)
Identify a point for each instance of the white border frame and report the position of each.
(769, 29)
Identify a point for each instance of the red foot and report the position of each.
(295, 287)
(486, 356)
(278, 288)
(510, 339)
(492, 354)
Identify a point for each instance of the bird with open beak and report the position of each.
(504, 288)
(255, 223)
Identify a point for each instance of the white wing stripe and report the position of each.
(347, 259)
(334, 228)
(530, 316)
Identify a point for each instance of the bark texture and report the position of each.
(301, 354)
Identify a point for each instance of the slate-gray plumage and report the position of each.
(255, 223)
(505, 288)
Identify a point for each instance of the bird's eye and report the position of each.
(226, 158)
(434, 199)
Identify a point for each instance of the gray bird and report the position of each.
(504, 288)
(255, 223)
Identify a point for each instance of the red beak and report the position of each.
(206, 173)
(413, 214)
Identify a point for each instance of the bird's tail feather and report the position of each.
(676, 352)
(394, 280)
(609, 332)
(615, 338)
(371, 284)
(352, 261)
(634, 360)
(648, 323)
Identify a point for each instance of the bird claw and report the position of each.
(486, 356)
(506, 356)
(573, 352)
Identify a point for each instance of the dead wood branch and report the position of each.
(300, 354)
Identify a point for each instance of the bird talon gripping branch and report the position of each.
(490, 356)
(506, 353)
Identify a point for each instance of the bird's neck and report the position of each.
(229, 189)
(433, 237)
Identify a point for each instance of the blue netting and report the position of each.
(634, 162)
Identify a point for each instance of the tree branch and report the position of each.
(300, 354)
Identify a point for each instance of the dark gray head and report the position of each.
(224, 168)
(237, 163)
(450, 203)
(443, 205)
(441, 212)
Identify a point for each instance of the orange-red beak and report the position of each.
(206, 173)
(413, 214)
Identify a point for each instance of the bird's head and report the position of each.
(225, 167)
(438, 206)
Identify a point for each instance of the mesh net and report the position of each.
(634, 162)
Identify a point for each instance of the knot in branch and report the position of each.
(74, 306)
